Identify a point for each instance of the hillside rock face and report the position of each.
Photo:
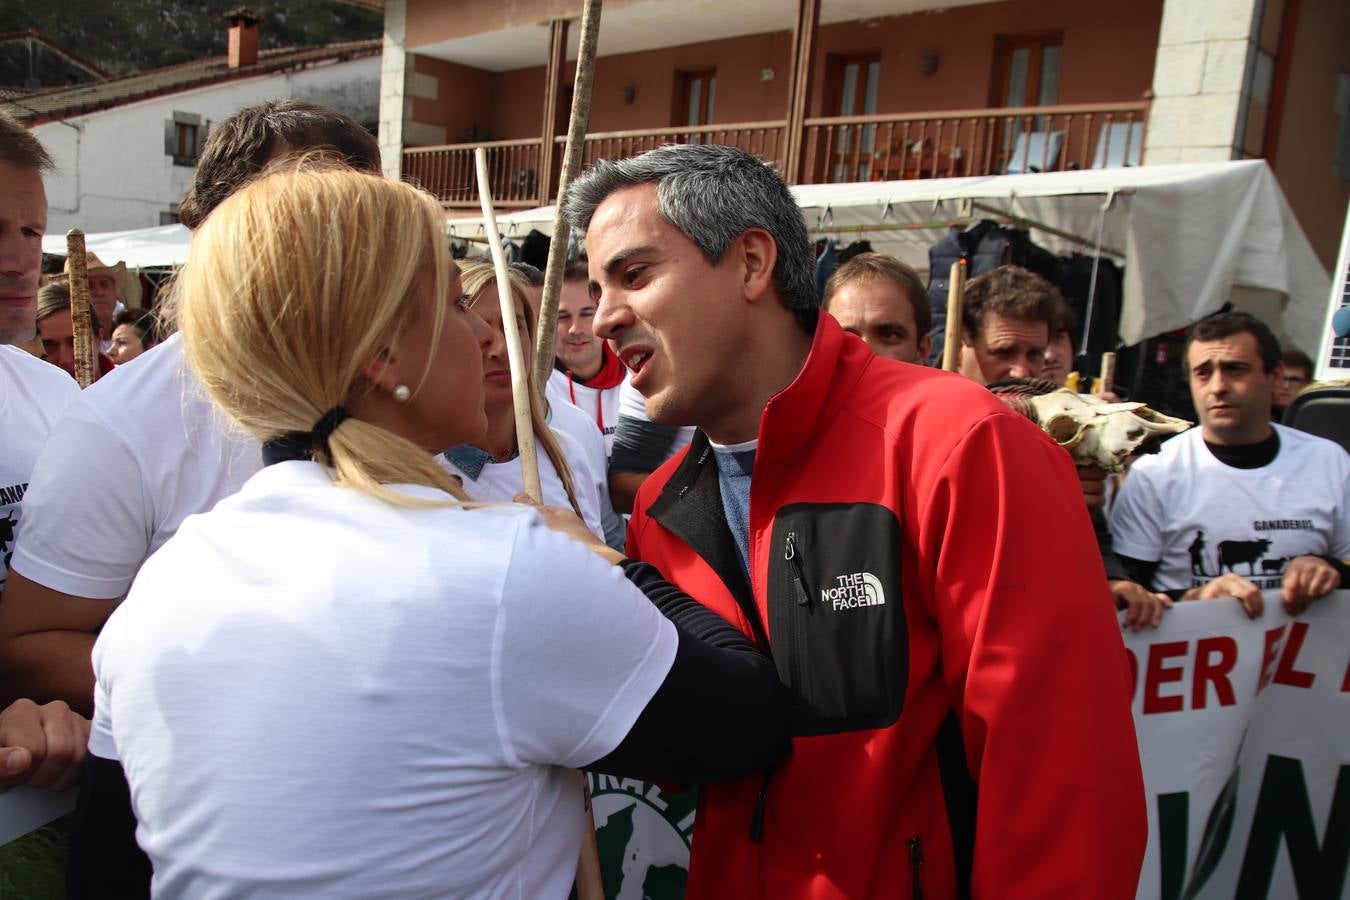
(127, 36)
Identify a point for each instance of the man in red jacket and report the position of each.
(961, 721)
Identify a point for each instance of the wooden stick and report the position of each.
(1108, 372)
(520, 383)
(589, 884)
(81, 324)
(951, 348)
(576, 143)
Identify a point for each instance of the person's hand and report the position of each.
(1109, 396)
(1143, 607)
(566, 521)
(1092, 479)
(1305, 579)
(41, 746)
(1231, 585)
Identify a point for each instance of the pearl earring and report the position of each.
(402, 393)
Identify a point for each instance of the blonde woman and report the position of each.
(489, 468)
(343, 682)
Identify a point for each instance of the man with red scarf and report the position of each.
(586, 371)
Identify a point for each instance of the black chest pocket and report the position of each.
(835, 616)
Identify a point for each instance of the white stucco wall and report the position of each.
(112, 171)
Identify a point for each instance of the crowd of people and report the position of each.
(282, 542)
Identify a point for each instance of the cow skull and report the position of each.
(1095, 433)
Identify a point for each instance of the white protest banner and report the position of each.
(1244, 737)
(24, 809)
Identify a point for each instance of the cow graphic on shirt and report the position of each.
(6, 541)
(1233, 553)
(1260, 559)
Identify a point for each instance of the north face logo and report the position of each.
(853, 592)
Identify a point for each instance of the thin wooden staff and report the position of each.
(1108, 377)
(576, 143)
(589, 884)
(81, 320)
(520, 384)
(951, 348)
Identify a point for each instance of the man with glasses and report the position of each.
(1297, 375)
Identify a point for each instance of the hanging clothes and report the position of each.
(827, 260)
(856, 248)
(1075, 283)
(534, 249)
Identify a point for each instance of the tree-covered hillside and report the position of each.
(124, 36)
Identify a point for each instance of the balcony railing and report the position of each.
(764, 139)
(448, 172)
(951, 144)
(834, 149)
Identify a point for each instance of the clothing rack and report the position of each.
(1005, 217)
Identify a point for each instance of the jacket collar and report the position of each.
(797, 414)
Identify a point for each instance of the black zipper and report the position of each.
(801, 596)
(761, 801)
(915, 864)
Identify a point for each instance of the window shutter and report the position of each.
(202, 131)
(170, 137)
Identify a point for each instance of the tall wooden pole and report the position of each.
(557, 53)
(951, 348)
(520, 376)
(799, 87)
(81, 320)
(576, 143)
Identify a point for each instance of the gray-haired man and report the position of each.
(885, 555)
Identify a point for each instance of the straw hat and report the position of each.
(129, 289)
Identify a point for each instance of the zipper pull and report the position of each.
(803, 597)
(757, 820)
(915, 864)
(761, 800)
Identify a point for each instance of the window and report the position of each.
(184, 136)
(855, 82)
(170, 217)
(1026, 70)
(1026, 73)
(696, 99)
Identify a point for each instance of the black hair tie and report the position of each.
(304, 444)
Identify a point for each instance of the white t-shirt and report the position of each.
(139, 451)
(501, 482)
(590, 464)
(33, 395)
(363, 700)
(600, 406)
(1201, 518)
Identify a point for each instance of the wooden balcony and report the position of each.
(834, 150)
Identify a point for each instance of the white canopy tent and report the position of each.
(1191, 237)
(140, 248)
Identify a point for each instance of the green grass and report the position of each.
(33, 867)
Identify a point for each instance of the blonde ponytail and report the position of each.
(291, 285)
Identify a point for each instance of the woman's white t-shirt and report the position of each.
(501, 482)
(363, 700)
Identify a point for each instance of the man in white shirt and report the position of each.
(39, 745)
(586, 373)
(1240, 504)
(164, 453)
